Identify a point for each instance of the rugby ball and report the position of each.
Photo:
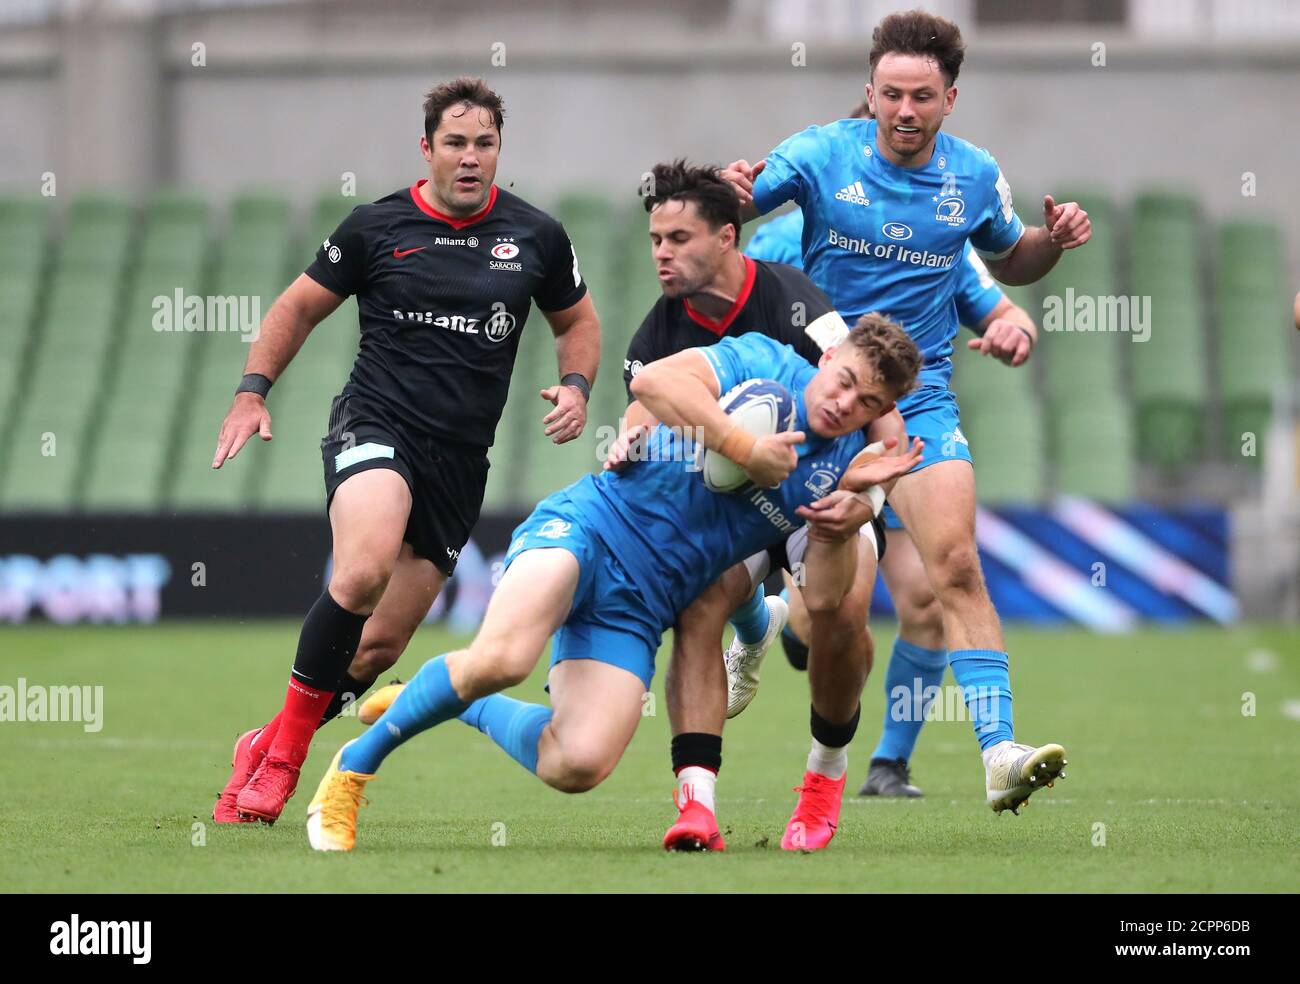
(760, 406)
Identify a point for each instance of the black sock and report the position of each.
(697, 748)
(350, 690)
(835, 735)
(328, 641)
(795, 651)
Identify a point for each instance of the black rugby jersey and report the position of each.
(775, 299)
(442, 303)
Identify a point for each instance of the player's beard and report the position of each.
(687, 282)
(912, 149)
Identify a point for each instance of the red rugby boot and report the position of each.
(815, 817)
(272, 785)
(696, 828)
(244, 762)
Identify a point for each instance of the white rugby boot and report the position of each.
(743, 661)
(1015, 772)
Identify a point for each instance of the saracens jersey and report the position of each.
(775, 300)
(442, 303)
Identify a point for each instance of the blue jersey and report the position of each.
(780, 240)
(672, 534)
(883, 238)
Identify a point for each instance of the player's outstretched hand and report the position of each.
(1004, 340)
(621, 452)
(836, 516)
(569, 417)
(884, 468)
(741, 175)
(773, 458)
(1067, 224)
(248, 416)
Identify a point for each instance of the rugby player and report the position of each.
(919, 657)
(710, 291)
(892, 244)
(443, 272)
(609, 562)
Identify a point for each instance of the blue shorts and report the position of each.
(930, 413)
(608, 621)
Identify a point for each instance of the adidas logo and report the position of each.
(854, 193)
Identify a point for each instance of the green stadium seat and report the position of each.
(288, 474)
(130, 439)
(97, 237)
(592, 224)
(72, 346)
(254, 260)
(982, 379)
(26, 224)
(1007, 442)
(18, 303)
(1170, 381)
(46, 450)
(1252, 364)
(1173, 204)
(1095, 451)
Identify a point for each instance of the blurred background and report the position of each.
(168, 166)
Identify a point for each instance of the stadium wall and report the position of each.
(295, 98)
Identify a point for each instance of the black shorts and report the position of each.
(446, 479)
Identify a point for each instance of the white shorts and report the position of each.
(760, 564)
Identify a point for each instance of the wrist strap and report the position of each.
(738, 445)
(1033, 342)
(874, 496)
(254, 382)
(579, 382)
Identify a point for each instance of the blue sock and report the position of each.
(427, 700)
(750, 619)
(786, 630)
(513, 724)
(984, 677)
(912, 680)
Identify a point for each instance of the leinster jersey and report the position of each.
(673, 535)
(976, 294)
(442, 303)
(878, 237)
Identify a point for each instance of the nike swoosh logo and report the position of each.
(399, 253)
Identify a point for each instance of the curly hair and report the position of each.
(916, 32)
(889, 350)
(713, 196)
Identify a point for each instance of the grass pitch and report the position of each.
(1170, 787)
